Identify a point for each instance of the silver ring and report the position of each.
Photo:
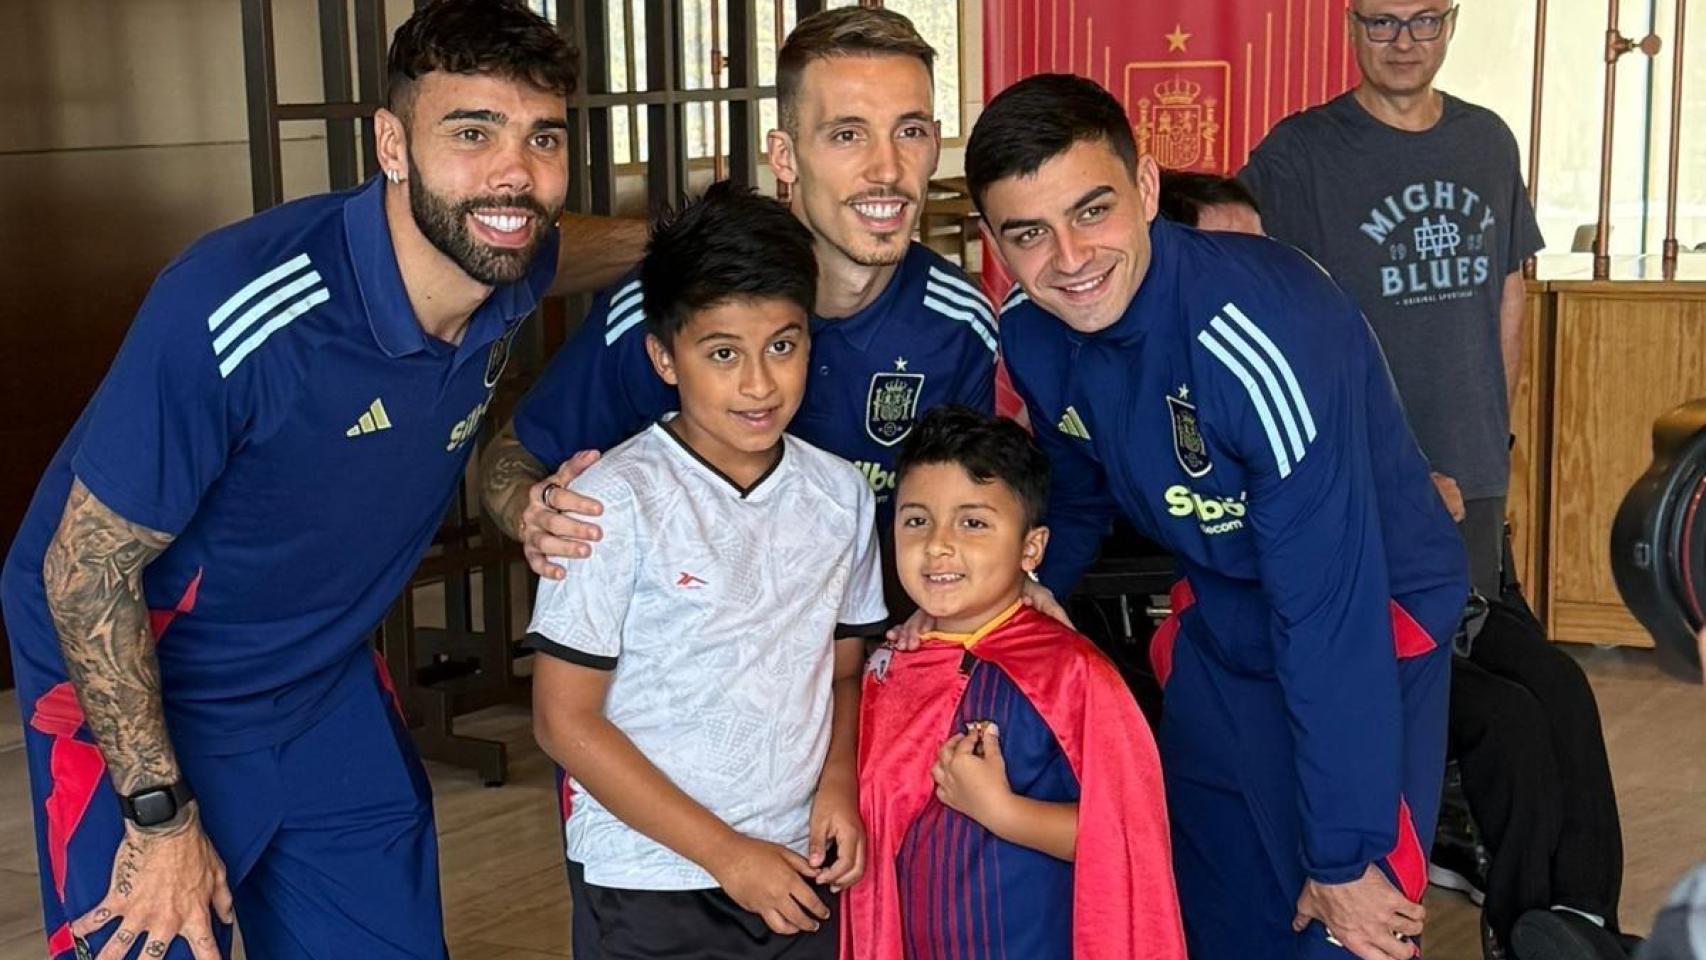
(545, 495)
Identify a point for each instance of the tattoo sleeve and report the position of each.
(507, 470)
(93, 574)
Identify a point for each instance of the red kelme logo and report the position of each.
(689, 581)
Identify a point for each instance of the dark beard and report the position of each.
(445, 225)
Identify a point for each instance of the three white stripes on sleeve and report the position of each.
(295, 290)
(1268, 379)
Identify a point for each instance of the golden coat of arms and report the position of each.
(1177, 129)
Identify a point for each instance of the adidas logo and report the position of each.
(373, 421)
(1072, 425)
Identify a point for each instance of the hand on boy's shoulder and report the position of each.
(1041, 599)
(550, 523)
(910, 634)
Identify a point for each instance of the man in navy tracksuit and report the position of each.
(1224, 395)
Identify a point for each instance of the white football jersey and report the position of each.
(717, 608)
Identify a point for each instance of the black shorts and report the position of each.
(613, 924)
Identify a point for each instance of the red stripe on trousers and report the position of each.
(60, 941)
(75, 769)
(389, 687)
(1409, 864)
(1181, 598)
(1408, 637)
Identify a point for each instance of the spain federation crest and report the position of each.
(1188, 444)
(891, 407)
(499, 357)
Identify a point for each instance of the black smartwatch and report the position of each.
(153, 806)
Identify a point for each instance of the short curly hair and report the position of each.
(500, 37)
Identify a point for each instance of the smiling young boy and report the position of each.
(701, 682)
(988, 752)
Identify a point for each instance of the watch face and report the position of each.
(155, 806)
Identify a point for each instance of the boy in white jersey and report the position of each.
(701, 689)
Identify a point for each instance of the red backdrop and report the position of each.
(1202, 80)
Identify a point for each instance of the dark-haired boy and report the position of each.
(987, 754)
(192, 595)
(701, 681)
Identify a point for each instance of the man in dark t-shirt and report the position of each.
(1414, 201)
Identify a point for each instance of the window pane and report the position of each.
(1691, 167)
(616, 52)
(696, 38)
(637, 21)
(768, 43)
(621, 129)
(938, 22)
(700, 117)
(767, 122)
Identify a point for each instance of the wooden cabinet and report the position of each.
(1602, 360)
(1624, 354)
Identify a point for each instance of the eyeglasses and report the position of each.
(1423, 27)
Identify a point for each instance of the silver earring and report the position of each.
(393, 176)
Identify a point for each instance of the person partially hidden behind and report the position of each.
(700, 680)
(1209, 201)
(1010, 788)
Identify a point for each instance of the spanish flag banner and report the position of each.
(1202, 80)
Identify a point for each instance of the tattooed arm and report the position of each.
(507, 472)
(515, 488)
(164, 877)
(93, 572)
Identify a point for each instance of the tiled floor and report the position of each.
(503, 883)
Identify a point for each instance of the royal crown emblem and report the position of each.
(891, 405)
(1177, 92)
(1176, 124)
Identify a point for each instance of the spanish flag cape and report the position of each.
(1124, 903)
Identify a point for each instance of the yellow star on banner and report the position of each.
(1177, 39)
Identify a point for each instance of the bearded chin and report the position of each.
(444, 223)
